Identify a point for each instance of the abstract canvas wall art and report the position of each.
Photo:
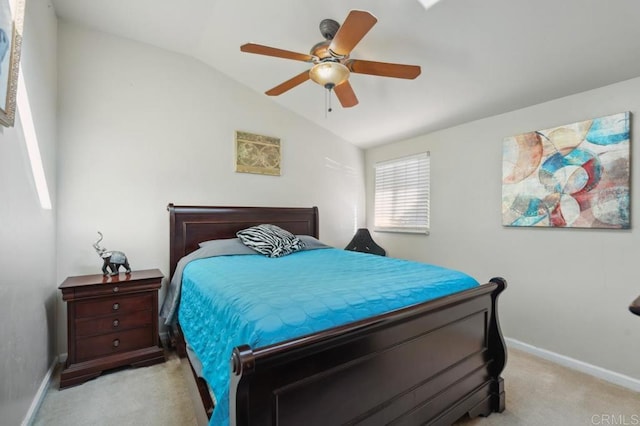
(573, 176)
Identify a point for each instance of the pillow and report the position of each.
(270, 240)
(225, 247)
(311, 243)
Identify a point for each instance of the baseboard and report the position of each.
(39, 396)
(593, 370)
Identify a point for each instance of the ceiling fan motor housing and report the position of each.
(329, 28)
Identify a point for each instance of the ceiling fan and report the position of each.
(332, 64)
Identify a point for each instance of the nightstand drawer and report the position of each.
(94, 347)
(112, 305)
(109, 324)
(104, 290)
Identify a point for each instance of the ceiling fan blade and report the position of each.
(383, 69)
(279, 53)
(346, 95)
(289, 84)
(357, 24)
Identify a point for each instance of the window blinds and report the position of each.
(402, 194)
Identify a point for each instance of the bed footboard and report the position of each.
(427, 364)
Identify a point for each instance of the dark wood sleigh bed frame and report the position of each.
(430, 363)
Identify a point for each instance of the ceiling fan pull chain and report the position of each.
(327, 99)
(327, 102)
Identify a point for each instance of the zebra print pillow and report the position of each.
(270, 240)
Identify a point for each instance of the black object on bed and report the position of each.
(363, 242)
(430, 363)
(635, 306)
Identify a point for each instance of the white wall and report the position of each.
(141, 127)
(28, 285)
(569, 289)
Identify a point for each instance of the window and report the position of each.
(402, 194)
(31, 140)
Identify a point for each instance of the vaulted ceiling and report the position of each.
(478, 57)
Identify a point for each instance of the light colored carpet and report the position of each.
(538, 393)
(149, 396)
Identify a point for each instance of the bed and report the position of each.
(429, 363)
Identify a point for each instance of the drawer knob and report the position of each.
(116, 306)
(116, 289)
(116, 343)
(116, 323)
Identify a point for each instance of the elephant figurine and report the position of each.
(112, 259)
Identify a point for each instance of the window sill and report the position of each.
(403, 231)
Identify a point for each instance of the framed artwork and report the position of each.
(257, 154)
(571, 176)
(11, 23)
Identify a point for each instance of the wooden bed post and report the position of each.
(242, 364)
(496, 341)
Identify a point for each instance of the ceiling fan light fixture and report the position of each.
(329, 74)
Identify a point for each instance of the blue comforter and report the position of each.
(251, 299)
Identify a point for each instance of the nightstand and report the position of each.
(112, 321)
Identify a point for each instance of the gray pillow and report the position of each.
(225, 246)
(311, 243)
(270, 240)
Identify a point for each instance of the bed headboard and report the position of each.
(190, 225)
